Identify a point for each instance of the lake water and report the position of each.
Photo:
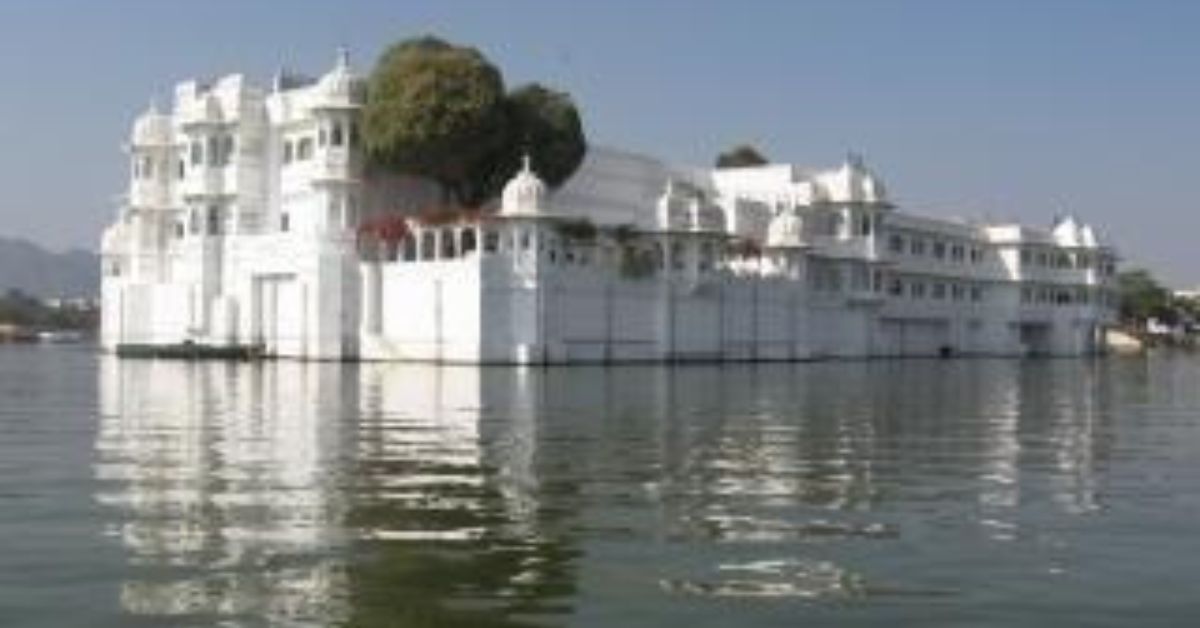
(957, 492)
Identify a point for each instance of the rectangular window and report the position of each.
(917, 290)
(304, 149)
(939, 290)
(896, 288)
(976, 294)
(197, 153)
(287, 152)
(918, 247)
(896, 243)
(335, 136)
(939, 250)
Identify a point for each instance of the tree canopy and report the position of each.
(1141, 297)
(440, 111)
(741, 156)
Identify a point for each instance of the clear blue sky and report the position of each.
(1008, 109)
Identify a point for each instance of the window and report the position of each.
(214, 151)
(976, 294)
(322, 137)
(864, 226)
(179, 230)
(197, 153)
(939, 290)
(304, 149)
(917, 290)
(335, 136)
(285, 222)
(957, 253)
(896, 287)
(957, 292)
(428, 246)
(449, 248)
(181, 170)
(353, 134)
(287, 152)
(213, 221)
(491, 241)
(918, 247)
(896, 243)
(1026, 257)
(227, 147)
(1026, 295)
(468, 241)
(939, 250)
(409, 247)
(976, 255)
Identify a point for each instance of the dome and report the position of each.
(1087, 237)
(786, 230)
(340, 85)
(853, 183)
(524, 194)
(1067, 232)
(151, 129)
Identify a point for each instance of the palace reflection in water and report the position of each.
(328, 494)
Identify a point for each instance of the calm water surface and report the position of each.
(1044, 493)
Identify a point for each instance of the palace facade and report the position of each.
(243, 227)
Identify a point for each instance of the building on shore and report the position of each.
(244, 227)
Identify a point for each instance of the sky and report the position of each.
(1009, 109)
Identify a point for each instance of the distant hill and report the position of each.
(30, 268)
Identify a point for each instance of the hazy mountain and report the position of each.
(32, 269)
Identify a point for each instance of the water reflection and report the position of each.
(329, 494)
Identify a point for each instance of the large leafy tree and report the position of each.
(539, 122)
(439, 111)
(741, 156)
(434, 110)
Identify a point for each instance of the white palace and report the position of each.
(241, 230)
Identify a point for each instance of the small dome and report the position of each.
(1067, 232)
(151, 129)
(340, 86)
(786, 230)
(524, 194)
(853, 183)
(1087, 237)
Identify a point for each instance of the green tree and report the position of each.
(539, 122)
(439, 111)
(741, 156)
(434, 110)
(1142, 297)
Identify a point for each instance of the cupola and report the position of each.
(524, 194)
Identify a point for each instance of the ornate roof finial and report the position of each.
(343, 57)
(526, 163)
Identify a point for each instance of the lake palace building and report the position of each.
(244, 228)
